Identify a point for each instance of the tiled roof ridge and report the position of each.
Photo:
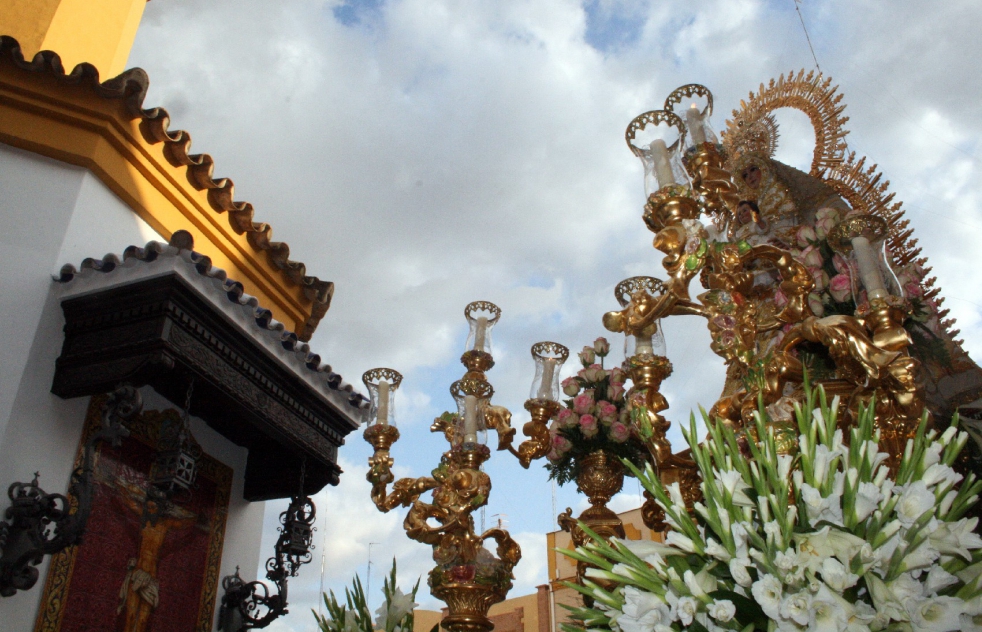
(131, 87)
(182, 245)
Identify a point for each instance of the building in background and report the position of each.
(195, 311)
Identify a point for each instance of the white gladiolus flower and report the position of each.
(699, 584)
(884, 599)
(675, 494)
(739, 539)
(738, 569)
(905, 588)
(768, 591)
(722, 610)
(397, 607)
(938, 579)
(939, 473)
(818, 508)
(868, 498)
(686, 610)
(676, 539)
(957, 538)
(716, 550)
(829, 614)
(644, 548)
(932, 454)
(798, 608)
(914, 501)
(947, 435)
(837, 576)
(641, 611)
(731, 481)
(921, 557)
(935, 614)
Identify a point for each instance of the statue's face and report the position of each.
(751, 175)
(744, 214)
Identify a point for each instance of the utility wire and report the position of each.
(805, 29)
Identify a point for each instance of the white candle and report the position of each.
(869, 270)
(383, 403)
(481, 334)
(548, 371)
(659, 157)
(470, 419)
(642, 344)
(693, 120)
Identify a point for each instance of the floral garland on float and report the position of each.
(821, 538)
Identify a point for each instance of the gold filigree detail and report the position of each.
(810, 93)
(690, 90)
(653, 117)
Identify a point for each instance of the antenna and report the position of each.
(320, 596)
(502, 520)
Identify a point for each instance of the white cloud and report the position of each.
(438, 153)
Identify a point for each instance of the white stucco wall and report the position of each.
(51, 214)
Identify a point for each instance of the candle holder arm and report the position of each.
(405, 490)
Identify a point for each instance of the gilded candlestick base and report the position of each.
(601, 476)
(669, 205)
(477, 363)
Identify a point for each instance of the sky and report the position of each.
(425, 154)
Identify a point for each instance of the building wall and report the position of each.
(50, 214)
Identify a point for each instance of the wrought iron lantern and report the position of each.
(38, 523)
(177, 458)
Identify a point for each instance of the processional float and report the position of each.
(801, 274)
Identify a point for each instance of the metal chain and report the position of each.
(187, 405)
(303, 474)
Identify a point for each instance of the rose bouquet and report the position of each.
(824, 539)
(594, 418)
(394, 615)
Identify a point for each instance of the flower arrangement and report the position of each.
(824, 539)
(394, 615)
(596, 417)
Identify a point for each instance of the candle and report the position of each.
(869, 270)
(481, 334)
(470, 419)
(548, 371)
(659, 157)
(693, 120)
(642, 344)
(383, 403)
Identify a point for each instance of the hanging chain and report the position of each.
(303, 474)
(185, 419)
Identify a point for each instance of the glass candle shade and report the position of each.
(481, 317)
(382, 385)
(549, 358)
(639, 295)
(657, 138)
(472, 397)
(861, 240)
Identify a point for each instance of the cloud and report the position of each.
(422, 155)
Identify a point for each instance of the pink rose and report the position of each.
(812, 257)
(821, 278)
(840, 287)
(568, 419)
(561, 444)
(571, 386)
(913, 289)
(583, 402)
(587, 356)
(805, 236)
(593, 373)
(840, 264)
(619, 432)
(616, 390)
(607, 411)
(552, 456)
(823, 226)
(827, 212)
(601, 347)
(815, 303)
(588, 426)
(617, 374)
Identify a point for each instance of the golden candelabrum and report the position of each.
(467, 576)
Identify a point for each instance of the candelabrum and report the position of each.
(467, 576)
